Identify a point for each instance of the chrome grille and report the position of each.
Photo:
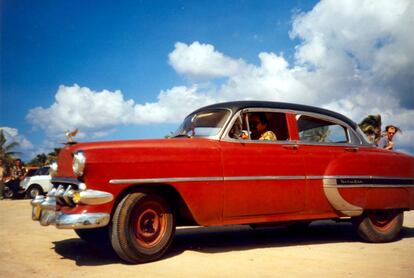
(64, 194)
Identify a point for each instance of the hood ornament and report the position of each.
(69, 136)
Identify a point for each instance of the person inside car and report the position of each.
(259, 127)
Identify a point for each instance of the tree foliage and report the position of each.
(44, 159)
(318, 134)
(6, 149)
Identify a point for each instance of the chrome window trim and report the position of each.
(226, 138)
(219, 134)
(226, 130)
(301, 143)
(336, 121)
(225, 124)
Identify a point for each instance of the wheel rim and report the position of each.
(34, 192)
(8, 194)
(150, 224)
(383, 220)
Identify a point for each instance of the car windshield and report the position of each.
(31, 172)
(42, 171)
(203, 124)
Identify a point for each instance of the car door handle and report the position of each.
(351, 149)
(291, 146)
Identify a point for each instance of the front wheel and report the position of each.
(379, 225)
(143, 227)
(33, 191)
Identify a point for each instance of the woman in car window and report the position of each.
(259, 127)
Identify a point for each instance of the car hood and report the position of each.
(153, 151)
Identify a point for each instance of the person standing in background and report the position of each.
(18, 173)
(2, 175)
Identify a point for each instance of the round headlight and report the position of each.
(78, 163)
(53, 168)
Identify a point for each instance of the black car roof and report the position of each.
(238, 105)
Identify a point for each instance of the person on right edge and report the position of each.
(386, 140)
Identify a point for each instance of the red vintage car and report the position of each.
(247, 162)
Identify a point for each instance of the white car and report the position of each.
(38, 184)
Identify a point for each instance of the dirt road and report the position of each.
(326, 249)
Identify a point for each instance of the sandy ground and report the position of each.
(326, 248)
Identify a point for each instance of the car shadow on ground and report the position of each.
(84, 253)
(222, 239)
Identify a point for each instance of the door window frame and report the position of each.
(352, 136)
(287, 113)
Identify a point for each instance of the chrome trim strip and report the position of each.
(250, 178)
(358, 177)
(162, 180)
(372, 186)
(337, 201)
(331, 189)
(81, 221)
(66, 180)
(95, 197)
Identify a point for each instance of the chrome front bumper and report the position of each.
(44, 211)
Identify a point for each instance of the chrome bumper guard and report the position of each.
(44, 211)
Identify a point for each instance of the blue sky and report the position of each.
(144, 49)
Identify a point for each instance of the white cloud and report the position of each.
(83, 108)
(355, 57)
(94, 112)
(202, 61)
(172, 105)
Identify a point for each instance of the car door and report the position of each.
(262, 177)
(329, 150)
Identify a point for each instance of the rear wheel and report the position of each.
(379, 225)
(33, 191)
(8, 193)
(143, 227)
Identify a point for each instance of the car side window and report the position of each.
(258, 125)
(315, 130)
(42, 171)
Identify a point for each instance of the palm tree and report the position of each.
(44, 159)
(6, 150)
(53, 156)
(39, 160)
(318, 134)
